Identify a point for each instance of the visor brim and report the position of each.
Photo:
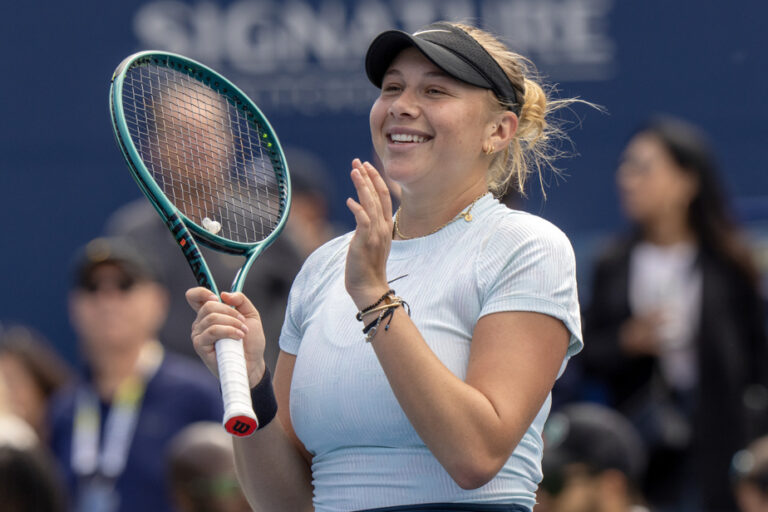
(388, 45)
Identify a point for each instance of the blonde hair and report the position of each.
(539, 137)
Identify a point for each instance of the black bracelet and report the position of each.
(372, 328)
(263, 400)
(382, 316)
(362, 312)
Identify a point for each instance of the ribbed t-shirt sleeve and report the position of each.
(529, 265)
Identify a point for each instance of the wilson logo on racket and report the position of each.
(240, 427)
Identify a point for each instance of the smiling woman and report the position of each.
(401, 400)
(486, 78)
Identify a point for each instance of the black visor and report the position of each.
(449, 48)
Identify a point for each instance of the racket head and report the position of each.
(201, 151)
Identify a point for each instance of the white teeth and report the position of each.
(405, 137)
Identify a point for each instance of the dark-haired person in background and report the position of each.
(32, 372)
(29, 480)
(201, 470)
(593, 461)
(676, 321)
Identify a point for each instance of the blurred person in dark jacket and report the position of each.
(309, 225)
(676, 327)
(110, 429)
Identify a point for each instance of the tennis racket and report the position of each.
(210, 163)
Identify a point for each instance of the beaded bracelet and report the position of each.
(367, 310)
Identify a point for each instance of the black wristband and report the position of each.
(263, 400)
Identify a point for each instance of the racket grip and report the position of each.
(239, 418)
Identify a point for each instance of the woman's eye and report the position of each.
(433, 91)
(391, 88)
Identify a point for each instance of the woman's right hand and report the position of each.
(234, 317)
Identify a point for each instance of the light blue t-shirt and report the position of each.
(365, 452)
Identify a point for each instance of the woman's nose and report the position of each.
(405, 105)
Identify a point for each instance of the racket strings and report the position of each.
(210, 158)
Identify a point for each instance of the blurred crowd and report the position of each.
(666, 409)
(675, 347)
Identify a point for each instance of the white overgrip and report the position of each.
(239, 418)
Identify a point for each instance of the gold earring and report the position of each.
(488, 149)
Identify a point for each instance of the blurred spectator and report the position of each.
(28, 482)
(675, 327)
(28, 479)
(109, 430)
(750, 476)
(32, 372)
(593, 461)
(201, 468)
(309, 224)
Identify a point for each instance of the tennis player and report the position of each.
(419, 350)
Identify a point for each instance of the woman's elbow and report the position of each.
(475, 473)
(477, 460)
(472, 481)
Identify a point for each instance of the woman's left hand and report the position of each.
(366, 270)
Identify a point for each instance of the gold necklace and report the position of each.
(466, 215)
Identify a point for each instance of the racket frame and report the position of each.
(184, 229)
(240, 422)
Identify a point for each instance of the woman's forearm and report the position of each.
(472, 427)
(272, 472)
